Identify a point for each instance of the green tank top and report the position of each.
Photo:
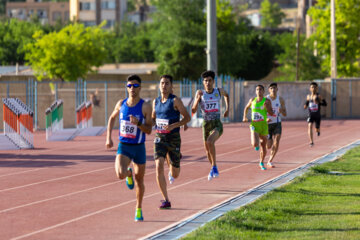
(258, 111)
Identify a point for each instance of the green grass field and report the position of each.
(318, 205)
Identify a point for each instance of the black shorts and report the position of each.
(274, 128)
(316, 119)
(168, 143)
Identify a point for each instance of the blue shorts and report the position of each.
(136, 152)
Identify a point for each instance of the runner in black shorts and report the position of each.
(274, 122)
(313, 103)
(166, 115)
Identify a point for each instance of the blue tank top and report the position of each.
(128, 132)
(166, 114)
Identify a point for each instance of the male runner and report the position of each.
(134, 121)
(313, 103)
(166, 115)
(209, 100)
(274, 121)
(260, 107)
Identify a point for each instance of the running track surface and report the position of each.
(69, 190)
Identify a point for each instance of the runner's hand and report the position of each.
(199, 94)
(185, 127)
(226, 113)
(133, 119)
(245, 119)
(109, 143)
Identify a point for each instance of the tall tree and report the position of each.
(271, 14)
(179, 38)
(309, 67)
(347, 35)
(68, 54)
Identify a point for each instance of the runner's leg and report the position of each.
(275, 147)
(160, 177)
(139, 182)
(122, 163)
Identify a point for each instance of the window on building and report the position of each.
(41, 13)
(86, 6)
(56, 16)
(89, 23)
(109, 23)
(108, 5)
(66, 16)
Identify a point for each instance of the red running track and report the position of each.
(69, 190)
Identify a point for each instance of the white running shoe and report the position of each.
(171, 179)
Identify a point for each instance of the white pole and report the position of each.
(333, 41)
(211, 50)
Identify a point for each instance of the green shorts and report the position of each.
(168, 143)
(210, 126)
(260, 127)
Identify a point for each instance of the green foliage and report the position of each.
(180, 38)
(68, 54)
(130, 43)
(271, 14)
(309, 65)
(14, 36)
(347, 35)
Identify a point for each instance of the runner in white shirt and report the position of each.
(274, 121)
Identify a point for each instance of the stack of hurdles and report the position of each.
(18, 123)
(84, 115)
(54, 118)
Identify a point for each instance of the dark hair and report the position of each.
(273, 85)
(261, 86)
(134, 77)
(208, 73)
(167, 77)
(314, 83)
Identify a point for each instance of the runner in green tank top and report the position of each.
(260, 107)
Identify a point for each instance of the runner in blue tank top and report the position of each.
(166, 115)
(134, 121)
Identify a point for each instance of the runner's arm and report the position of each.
(268, 106)
(227, 100)
(110, 125)
(322, 101)
(153, 114)
(282, 107)
(179, 105)
(147, 126)
(246, 109)
(196, 101)
(307, 102)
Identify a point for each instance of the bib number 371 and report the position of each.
(127, 129)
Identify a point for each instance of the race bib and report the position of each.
(211, 106)
(313, 107)
(257, 117)
(160, 124)
(127, 129)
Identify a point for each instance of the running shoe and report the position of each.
(318, 133)
(269, 164)
(211, 174)
(215, 171)
(171, 179)
(138, 215)
(311, 144)
(262, 166)
(257, 148)
(130, 180)
(165, 205)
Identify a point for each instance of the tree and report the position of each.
(179, 37)
(68, 54)
(309, 67)
(347, 35)
(14, 35)
(130, 43)
(271, 14)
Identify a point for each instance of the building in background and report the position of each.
(252, 12)
(46, 12)
(93, 12)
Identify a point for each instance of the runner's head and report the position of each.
(166, 84)
(260, 90)
(133, 85)
(313, 87)
(208, 80)
(273, 89)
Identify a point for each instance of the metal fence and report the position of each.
(342, 94)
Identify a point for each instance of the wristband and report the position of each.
(138, 124)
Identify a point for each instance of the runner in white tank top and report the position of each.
(274, 122)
